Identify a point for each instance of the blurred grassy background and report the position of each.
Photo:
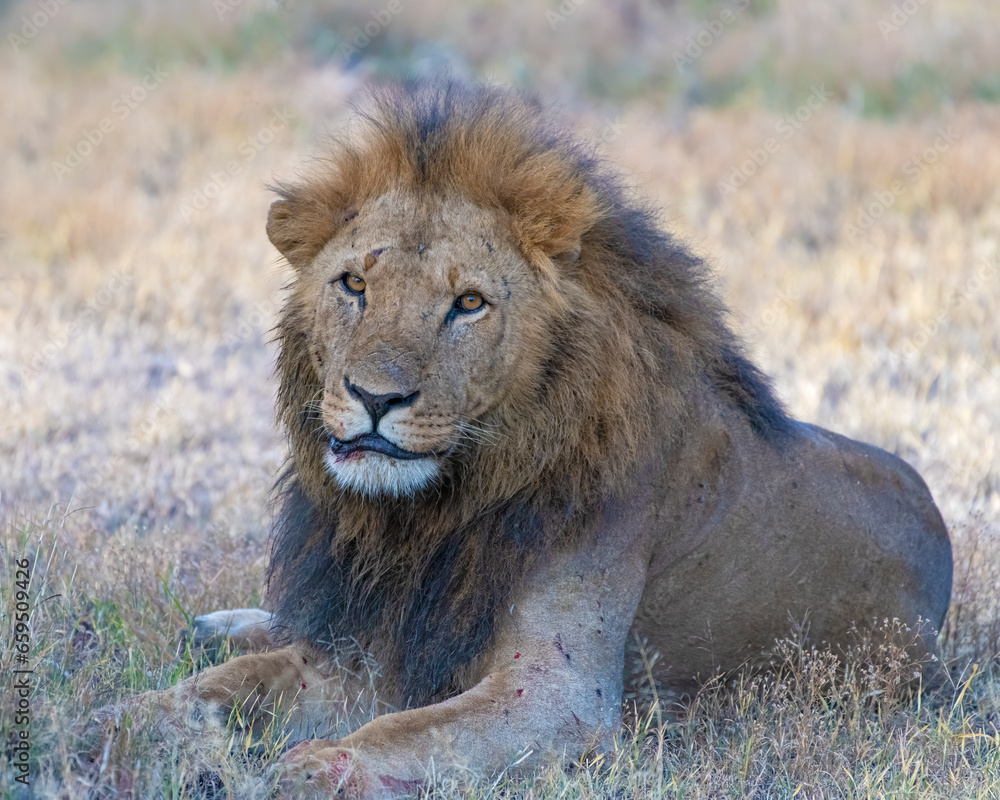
(879, 59)
(836, 161)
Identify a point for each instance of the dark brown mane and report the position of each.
(635, 326)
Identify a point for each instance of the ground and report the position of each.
(850, 206)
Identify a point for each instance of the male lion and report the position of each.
(521, 430)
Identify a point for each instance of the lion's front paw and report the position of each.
(322, 768)
(319, 768)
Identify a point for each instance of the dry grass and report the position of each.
(137, 443)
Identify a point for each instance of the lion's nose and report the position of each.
(378, 405)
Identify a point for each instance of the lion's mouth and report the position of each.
(375, 443)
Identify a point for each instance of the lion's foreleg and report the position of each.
(551, 687)
(518, 718)
(298, 688)
(296, 692)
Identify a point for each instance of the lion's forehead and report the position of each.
(432, 243)
(411, 221)
(453, 212)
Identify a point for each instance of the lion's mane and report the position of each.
(635, 327)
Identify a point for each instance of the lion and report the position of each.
(521, 432)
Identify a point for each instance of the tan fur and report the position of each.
(600, 462)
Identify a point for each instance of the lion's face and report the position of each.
(424, 314)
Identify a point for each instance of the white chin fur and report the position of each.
(377, 475)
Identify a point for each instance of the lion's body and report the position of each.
(824, 531)
(491, 493)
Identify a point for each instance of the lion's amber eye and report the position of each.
(353, 283)
(468, 302)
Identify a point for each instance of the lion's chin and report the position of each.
(376, 475)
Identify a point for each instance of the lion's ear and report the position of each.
(553, 208)
(300, 227)
(278, 218)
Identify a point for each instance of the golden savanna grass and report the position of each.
(138, 443)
